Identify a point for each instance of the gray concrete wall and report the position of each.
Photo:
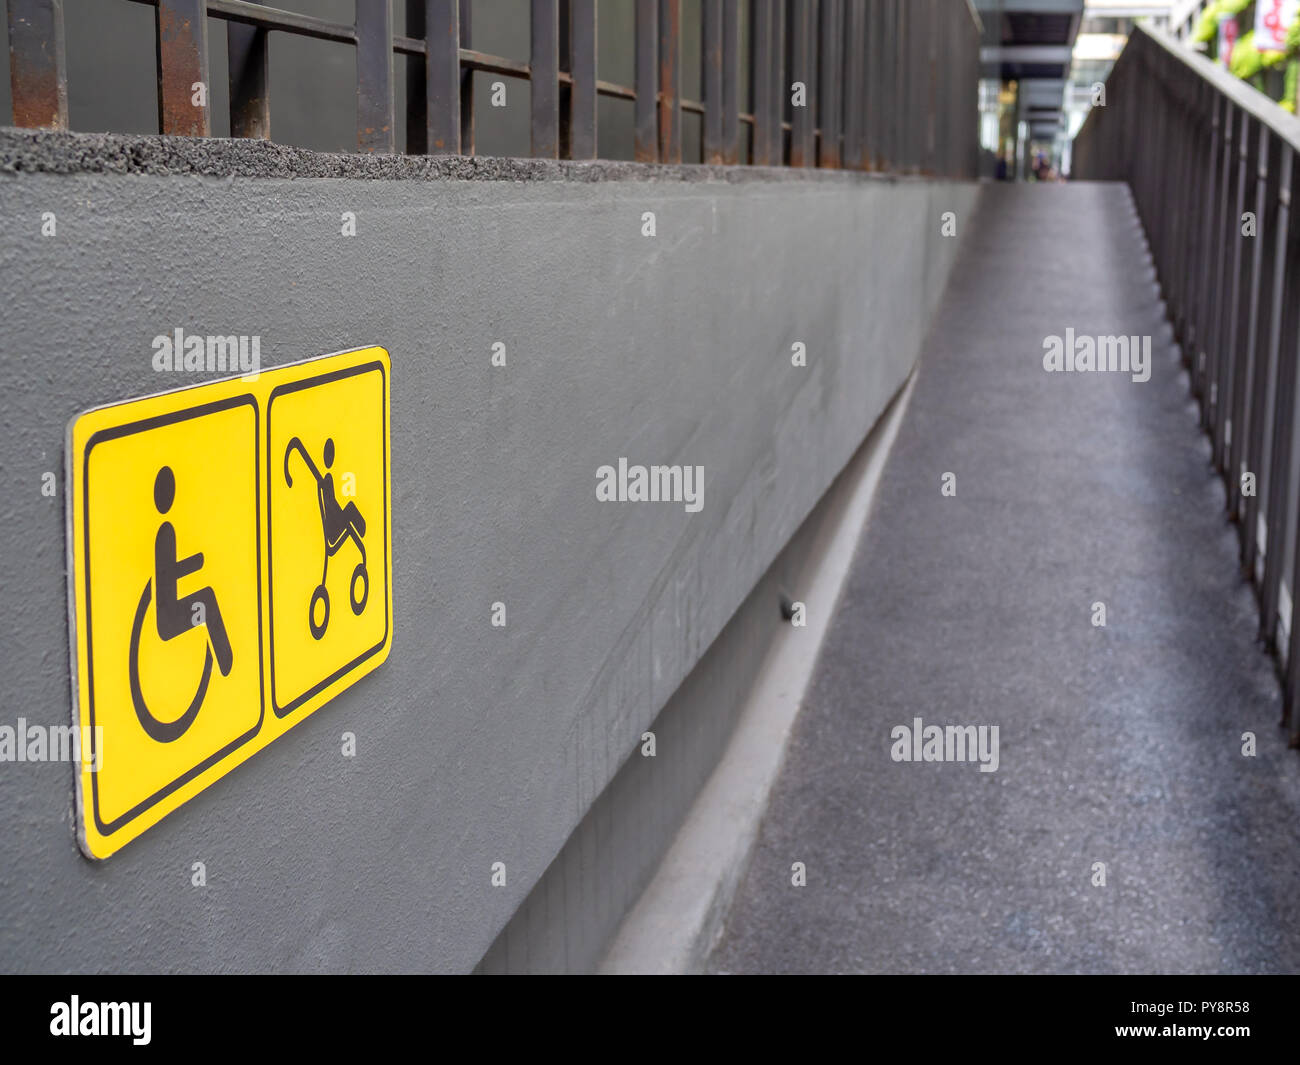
(570, 919)
(475, 744)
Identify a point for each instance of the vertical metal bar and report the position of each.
(582, 67)
(38, 68)
(442, 113)
(828, 102)
(1210, 210)
(894, 85)
(761, 33)
(1241, 415)
(780, 83)
(802, 119)
(1277, 483)
(1210, 372)
(1228, 362)
(1182, 179)
(1291, 688)
(730, 81)
(647, 81)
(1280, 500)
(930, 165)
(1199, 138)
(183, 66)
(670, 81)
(250, 105)
(1157, 176)
(466, 84)
(1262, 435)
(1292, 685)
(853, 85)
(545, 79)
(376, 128)
(711, 80)
(864, 85)
(902, 104)
(941, 100)
(876, 44)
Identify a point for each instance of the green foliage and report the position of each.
(1208, 27)
(1246, 61)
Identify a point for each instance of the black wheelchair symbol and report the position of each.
(338, 523)
(173, 616)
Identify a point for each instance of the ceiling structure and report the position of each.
(1031, 42)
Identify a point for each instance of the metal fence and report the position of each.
(1211, 163)
(887, 84)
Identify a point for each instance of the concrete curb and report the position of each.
(44, 151)
(681, 914)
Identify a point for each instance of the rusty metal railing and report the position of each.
(1211, 163)
(890, 85)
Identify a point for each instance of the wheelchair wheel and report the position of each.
(161, 731)
(359, 601)
(320, 595)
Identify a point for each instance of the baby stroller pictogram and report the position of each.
(174, 616)
(339, 523)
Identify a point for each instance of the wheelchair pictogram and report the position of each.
(173, 616)
(338, 525)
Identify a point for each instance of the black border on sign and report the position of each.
(298, 386)
(129, 429)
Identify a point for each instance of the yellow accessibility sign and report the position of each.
(230, 569)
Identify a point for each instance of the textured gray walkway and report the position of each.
(1120, 744)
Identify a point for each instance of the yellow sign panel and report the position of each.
(230, 568)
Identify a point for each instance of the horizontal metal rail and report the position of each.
(887, 85)
(1211, 165)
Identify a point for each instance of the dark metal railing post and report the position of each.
(1189, 209)
(376, 127)
(183, 85)
(930, 164)
(441, 113)
(544, 89)
(647, 81)
(802, 119)
(1277, 487)
(670, 81)
(711, 80)
(1228, 361)
(778, 84)
(250, 104)
(731, 67)
(1260, 437)
(1241, 417)
(873, 41)
(828, 102)
(1210, 371)
(582, 69)
(38, 68)
(903, 53)
(1209, 210)
(853, 73)
(761, 34)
